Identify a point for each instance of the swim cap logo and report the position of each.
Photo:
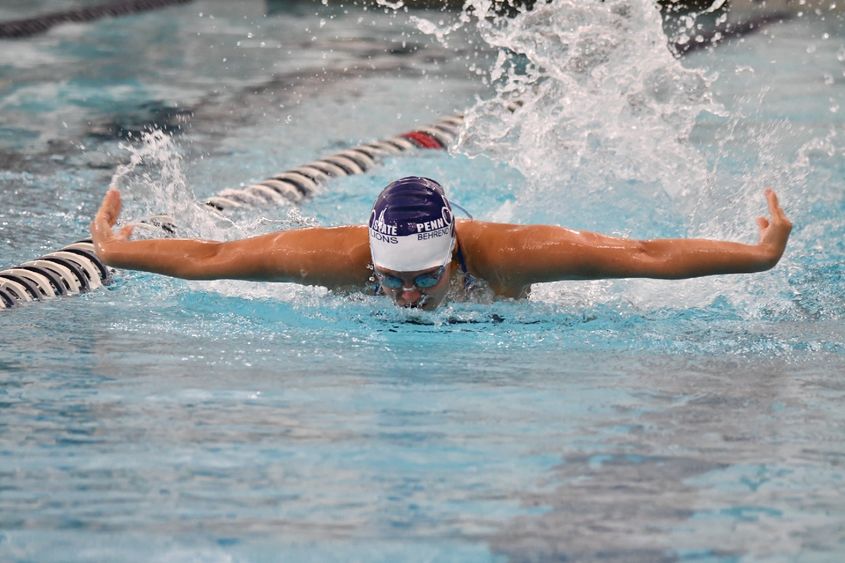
(411, 227)
(379, 230)
(444, 221)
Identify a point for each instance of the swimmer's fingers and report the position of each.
(110, 208)
(779, 219)
(774, 231)
(775, 210)
(106, 217)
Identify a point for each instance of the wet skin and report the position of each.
(508, 258)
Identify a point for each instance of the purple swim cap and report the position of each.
(411, 226)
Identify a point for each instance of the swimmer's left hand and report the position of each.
(774, 232)
(102, 233)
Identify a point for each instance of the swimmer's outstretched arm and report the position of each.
(533, 254)
(331, 257)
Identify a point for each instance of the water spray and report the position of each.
(76, 268)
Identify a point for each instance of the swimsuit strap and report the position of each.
(469, 279)
(461, 261)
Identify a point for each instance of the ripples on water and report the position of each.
(621, 420)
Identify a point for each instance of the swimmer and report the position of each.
(415, 252)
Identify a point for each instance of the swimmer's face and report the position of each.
(412, 291)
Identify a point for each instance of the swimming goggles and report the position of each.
(423, 281)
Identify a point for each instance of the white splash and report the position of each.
(601, 103)
(600, 117)
(152, 183)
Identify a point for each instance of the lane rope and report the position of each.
(292, 186)
(27, 27)
(67, 271)
(76, 268)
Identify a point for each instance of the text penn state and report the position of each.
(432, 225)
(383, 228)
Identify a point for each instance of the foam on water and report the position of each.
(603, 129)
(613, 133)
(636, 421)
(153, 184)
(603, 103)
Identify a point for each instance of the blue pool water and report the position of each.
(625, 420)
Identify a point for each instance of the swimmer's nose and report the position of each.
(410, 297)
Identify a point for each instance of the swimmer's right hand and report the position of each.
(102, 233)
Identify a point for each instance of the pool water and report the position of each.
(624, 420)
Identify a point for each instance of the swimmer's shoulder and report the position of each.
(473, 228)
(482, 244)
(351, 241)
(481, 237)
